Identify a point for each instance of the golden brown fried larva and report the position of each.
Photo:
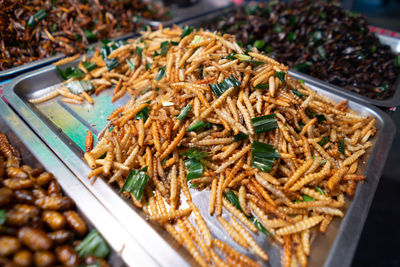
(9, 245)
(54, 219)
(5, 196)
(35, 239)
(14, 172)
(60, 236)
(44, 178)
(66, 255)
(75, 221)
(18, 183)
(23, 258)
(44, 258)
(54, 203)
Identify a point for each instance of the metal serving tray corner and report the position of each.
(394, 43)
(24, 68)
(125, 250)
(63, 128)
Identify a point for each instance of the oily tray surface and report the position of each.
(21, 90)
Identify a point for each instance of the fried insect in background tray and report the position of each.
(32, 30)
(320, 39)
(38, 223)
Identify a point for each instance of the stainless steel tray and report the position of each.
(394, 43)
(15, 71)
(181, 14)
(63, 127)
(36, 153)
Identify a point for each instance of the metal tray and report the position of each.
(394, 43)
(180, 14)
(63, 128)
(36, 153)
(15, 71)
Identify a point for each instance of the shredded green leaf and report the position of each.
(194, 169)
(341, 146)
(89, 66)
(136, 182)
(264, 123)
(70, 72)
(318, 189)
(186, 31)
(259, 44)
(111, 63)
(77, 87)
(131, 64)
(296, 92)
(41, 14)
(184, 112)
(323, 141)
(198, 126)
(307, 198)
(248, 59)
(259, 225)
(194, 185)
(143, 114)
(139, 51)
(263, 155)
(262, 86)
(240, 136)
(164, 49)
(280, 75)
(2, 216)
(94, 245)
(161, 73)
(322, 162)
(220, 88)
(197, 39)
(233, 199)
(194, 153)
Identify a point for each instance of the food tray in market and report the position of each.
(12, 72)
(63, 127)
(193, 9)
(125, 250)
(394, 43)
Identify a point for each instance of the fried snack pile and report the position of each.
(32, 30)
(38, 224)
(275, 155)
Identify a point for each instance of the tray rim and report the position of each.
(386, 134)
(127, 248)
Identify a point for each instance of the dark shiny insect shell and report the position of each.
(18, 183)
(54, 203)
(66, 255)
(44, 178)
(23, 258)
(5, 196)
(24, 196)
(9, 245)
(44, 259)
(75, 222)
(61, 236)
(35, 239)
(54, 189)
(54, 219)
